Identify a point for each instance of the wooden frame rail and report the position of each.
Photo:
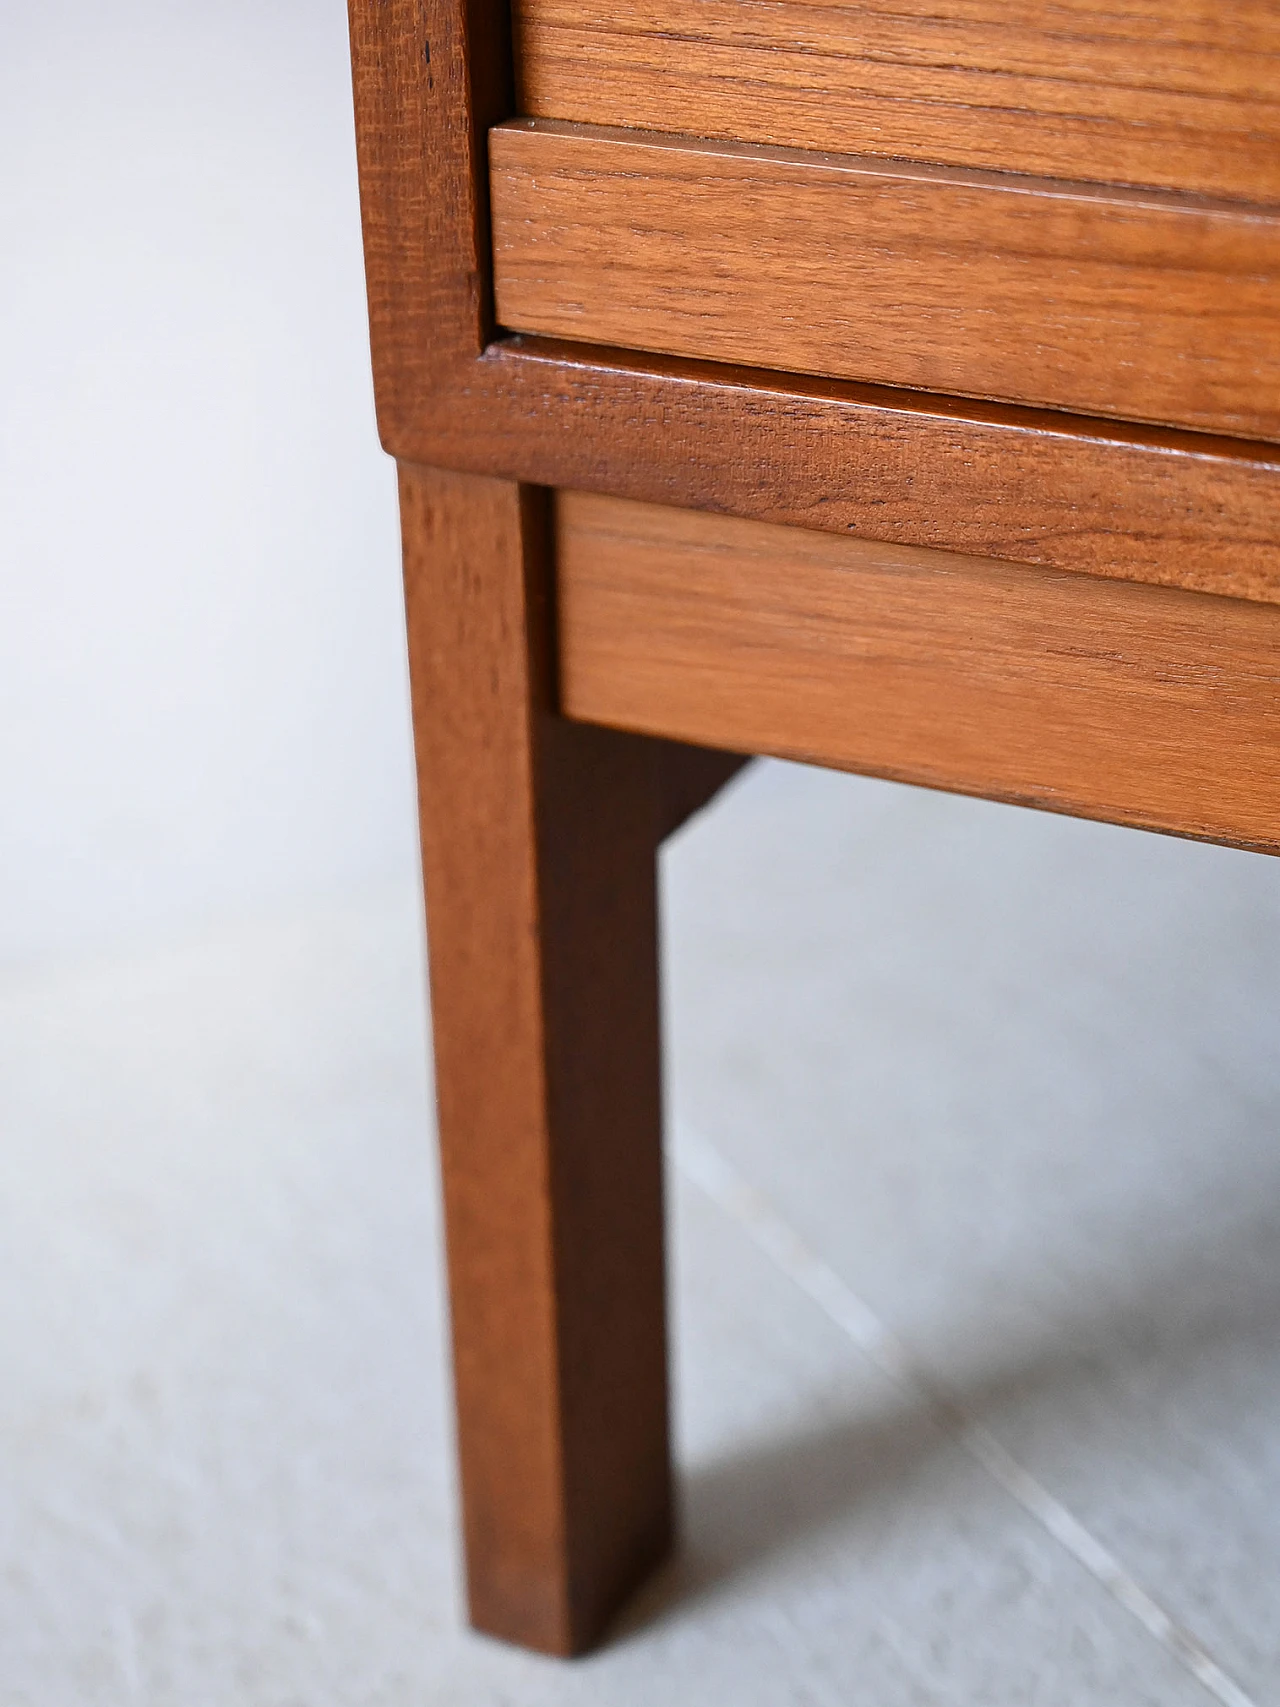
(1141, 705)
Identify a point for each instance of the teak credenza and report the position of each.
(890, 386)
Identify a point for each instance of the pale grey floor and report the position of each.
(960, 1093)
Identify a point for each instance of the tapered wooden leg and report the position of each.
(538, 841)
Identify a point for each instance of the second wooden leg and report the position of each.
(538, 841)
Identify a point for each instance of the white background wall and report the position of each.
(202, 690)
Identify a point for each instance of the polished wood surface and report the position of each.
(1029, 486)
(1166, 92)
(538, 844)
(1033, 486)
(1141, 705)
(1140, 304)
(1059, 659)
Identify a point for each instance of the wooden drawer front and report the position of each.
(1144, 705)
(1138, 304)
(1141, 91)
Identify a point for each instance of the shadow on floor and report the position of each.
(1195, 1314)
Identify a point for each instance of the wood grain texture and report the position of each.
(1029, 486)
(1110, 499)
(1137, 304)
(1163, 92)
(538, 841)
(428, 82)
(1073, 691)
(1140, 705)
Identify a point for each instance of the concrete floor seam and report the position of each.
(721, 1183)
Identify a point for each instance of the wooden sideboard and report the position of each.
(894, 387)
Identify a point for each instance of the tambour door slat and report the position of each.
(1155, 92)
(1143, 305)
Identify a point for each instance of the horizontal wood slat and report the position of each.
(1142, 705)
(1141, 91)
(1134, 304)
